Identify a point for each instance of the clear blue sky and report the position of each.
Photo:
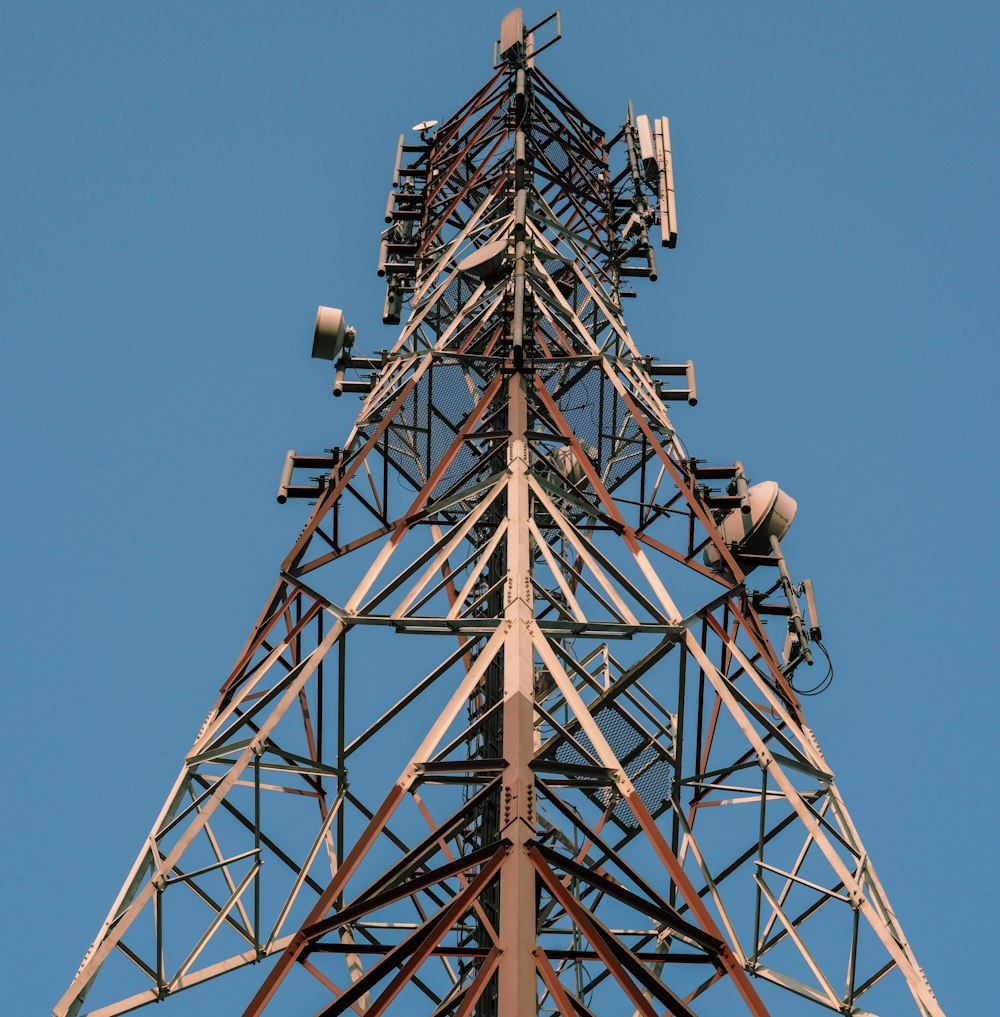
(183, 183)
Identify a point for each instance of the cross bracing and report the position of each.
(503, 739)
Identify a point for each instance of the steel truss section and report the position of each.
(586, 785)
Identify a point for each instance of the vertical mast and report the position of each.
(517, 993)
(518, 913)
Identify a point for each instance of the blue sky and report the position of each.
(184, 183)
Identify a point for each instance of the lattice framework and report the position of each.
(588, 786)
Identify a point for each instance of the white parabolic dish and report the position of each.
(771, 514)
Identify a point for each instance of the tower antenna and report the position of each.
(510, 736)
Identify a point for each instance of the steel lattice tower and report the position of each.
(509, 736)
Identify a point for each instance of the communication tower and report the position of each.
(510, 735)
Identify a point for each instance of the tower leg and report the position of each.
(517, 981)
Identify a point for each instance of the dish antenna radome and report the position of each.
(332, 334)
(771, 514)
